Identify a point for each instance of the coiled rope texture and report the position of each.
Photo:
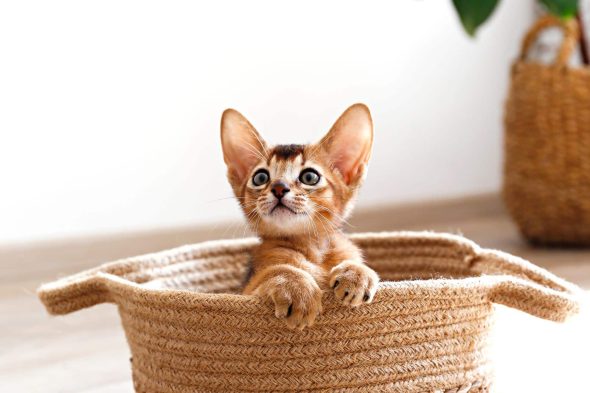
(426, 330)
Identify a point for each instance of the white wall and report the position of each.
(109, 110)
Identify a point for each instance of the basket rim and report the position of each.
(407, 289)
(200, 249)
(498, 277)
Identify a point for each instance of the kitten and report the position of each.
(296, 198)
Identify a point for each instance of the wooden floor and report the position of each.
(86, 351)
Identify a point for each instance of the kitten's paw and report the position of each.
(354, 283)
(297, 299)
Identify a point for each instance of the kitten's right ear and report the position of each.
(242, 145)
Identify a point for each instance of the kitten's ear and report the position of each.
(348, 144)
(242, 145)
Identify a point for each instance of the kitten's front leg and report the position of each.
(296, 295)
(353, 282)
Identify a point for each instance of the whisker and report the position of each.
(326, 209)
(322, 222)
(252, 149)
(312, 225)
(224, 199)
(262, 144)
(331, 211)
(331, 227)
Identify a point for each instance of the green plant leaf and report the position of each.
(564, 9)
(474, 12)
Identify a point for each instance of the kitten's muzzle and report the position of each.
(279, 189)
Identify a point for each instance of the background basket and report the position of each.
(547, 143)
(426, 330)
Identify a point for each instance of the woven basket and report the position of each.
(189, 332)
(547, 142)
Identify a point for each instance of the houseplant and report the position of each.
(474, 13)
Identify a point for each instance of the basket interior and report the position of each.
(210, 270)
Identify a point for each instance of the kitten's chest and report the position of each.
(318, 252)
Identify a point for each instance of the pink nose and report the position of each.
(279, 189)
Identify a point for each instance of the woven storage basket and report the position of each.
(189, 332)
(547, 142)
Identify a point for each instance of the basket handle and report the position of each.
(517, 283)
(571, 36)
(75, 292)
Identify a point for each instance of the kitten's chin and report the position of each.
(284, 221)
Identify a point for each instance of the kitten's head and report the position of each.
(297, 189)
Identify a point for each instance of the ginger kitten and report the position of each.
(296, 197)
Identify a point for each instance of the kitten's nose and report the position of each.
(279, 189)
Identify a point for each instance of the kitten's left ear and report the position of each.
(348, 144)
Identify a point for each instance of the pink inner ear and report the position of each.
(246, 160)
(243, 148)
(349, 142)
(346, 161)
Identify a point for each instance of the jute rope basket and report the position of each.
(426, 331)
(547, 143)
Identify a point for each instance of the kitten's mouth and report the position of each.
(280, 206)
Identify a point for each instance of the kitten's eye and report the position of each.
(309, 176)
(260, 177)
